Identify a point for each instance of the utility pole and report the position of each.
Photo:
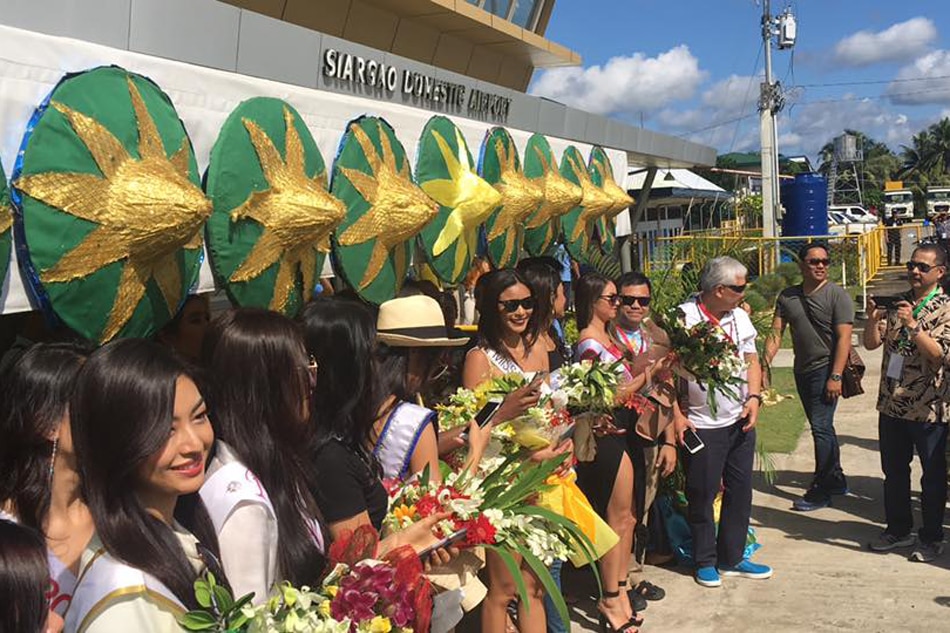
(770, 103)
(767, 131)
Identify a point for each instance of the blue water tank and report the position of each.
(806, 205)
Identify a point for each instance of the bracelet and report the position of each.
(670, 444)
(757, 396)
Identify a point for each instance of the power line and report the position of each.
(870, 82)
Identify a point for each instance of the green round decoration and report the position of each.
(385, 209)
(543, 227)
(602, 175)
(579, 223)
(270, 229)
(6, 227)
(446, 172)
(520, 196)
(112, 206)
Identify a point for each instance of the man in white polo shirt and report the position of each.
(729, 435)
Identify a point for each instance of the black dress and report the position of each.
(596, 478)
(347, 484)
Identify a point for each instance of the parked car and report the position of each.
(855, 213)
(840, 223)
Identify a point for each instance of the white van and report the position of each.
(854, 213)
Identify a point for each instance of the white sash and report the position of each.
(104, 579)
(399, 438)
(229, 486)
(605, 355)
(233, 484)
(62, 583)
(503, 364)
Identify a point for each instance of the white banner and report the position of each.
(31, 64)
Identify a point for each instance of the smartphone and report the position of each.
(486, 413)
(885, 302)
(448, 541)
(538, 376)
(692, 441)
(484, 416)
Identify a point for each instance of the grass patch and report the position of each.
(781, 424)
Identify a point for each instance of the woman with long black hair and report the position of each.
(608, 479)
(39, 482)
(258, 486)
(544, 278)
(24, 579)
(142, 436)
(508, 333)
(340, 333)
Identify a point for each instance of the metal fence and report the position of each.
(856, 259)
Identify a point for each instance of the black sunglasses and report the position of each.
(816, 261)
(512, 305)
(921, 266)
(613, 300)
(631, 300)
(735, 289)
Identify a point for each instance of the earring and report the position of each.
(52, 460)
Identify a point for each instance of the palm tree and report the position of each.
(919, 157)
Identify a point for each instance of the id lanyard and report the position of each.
(715, 322)
(629, 344)
(904, 344)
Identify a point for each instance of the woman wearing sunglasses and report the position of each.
(258, 483)
(348, 478)
(508, 333)
(413, 343)
(142, 437)
(608, 479)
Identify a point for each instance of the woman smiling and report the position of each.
(142, 436)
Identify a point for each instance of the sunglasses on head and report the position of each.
(735, 289)
(921, 266)
(815, 261)
(311, 369)
(631, 300)
(512, 305)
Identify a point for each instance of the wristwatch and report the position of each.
(835, 377)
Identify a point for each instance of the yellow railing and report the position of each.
(861, 256)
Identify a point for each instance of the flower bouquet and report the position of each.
(704, 354)
(496, 512)
(591, 388)
(365, 596)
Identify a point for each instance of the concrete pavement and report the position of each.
(825, 578)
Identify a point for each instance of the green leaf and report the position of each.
(514, 569)
(553, 591)
(203, 593)
(198, 621)
(222, 598)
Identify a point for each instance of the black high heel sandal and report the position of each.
(606, 627)
(638, 602)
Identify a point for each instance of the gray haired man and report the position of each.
(728, 435)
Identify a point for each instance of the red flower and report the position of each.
(428, 505)
(480, 531)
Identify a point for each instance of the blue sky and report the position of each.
(691, 68)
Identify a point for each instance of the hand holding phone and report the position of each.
(449, 541)
(886, 302)
(692, 441)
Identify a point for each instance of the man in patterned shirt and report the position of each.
(913, 402)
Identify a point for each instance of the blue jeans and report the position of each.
(555, 624)
(898, 440)
(821, 417)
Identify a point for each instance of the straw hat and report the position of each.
(415, 321)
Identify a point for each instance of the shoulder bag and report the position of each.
(854, 368)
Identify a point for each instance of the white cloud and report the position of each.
(733, 95)
(626, 84)
(900, 42)
(925, 81)
(806, 128)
